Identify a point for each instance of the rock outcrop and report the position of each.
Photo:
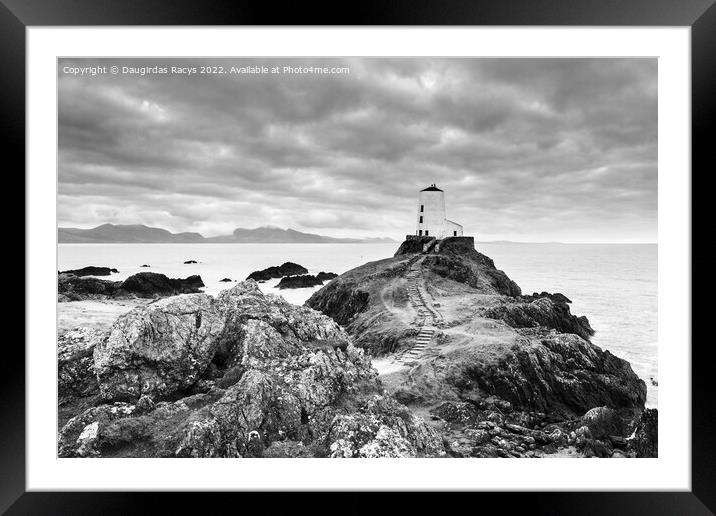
(645, 439)
(303, 281)
(542, 312)
(75, 362)
(91, 271)
(143, 284)
(75, 288)
(241, 375)
(159, 349)
(152, 284)
(326, 276)
(286, 269)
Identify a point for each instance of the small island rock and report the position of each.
(286, 269)
(305, 281)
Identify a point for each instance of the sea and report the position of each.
(614, 285)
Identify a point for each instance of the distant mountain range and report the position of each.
(140, 234)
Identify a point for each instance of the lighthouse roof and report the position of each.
(431, 188)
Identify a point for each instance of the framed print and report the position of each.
(418, 250)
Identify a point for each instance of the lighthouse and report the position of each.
(431, 217)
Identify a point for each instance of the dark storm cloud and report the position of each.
(526, 149)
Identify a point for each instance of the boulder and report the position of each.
(383, 428)
(80, 436)
(75, 362)
(603, 422)
(262, 327)
(158, 349)
(226, 280)
(189, 262)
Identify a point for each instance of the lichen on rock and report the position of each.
(158, 349)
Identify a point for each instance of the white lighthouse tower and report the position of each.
(431, 219)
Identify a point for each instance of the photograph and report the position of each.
(357, 257)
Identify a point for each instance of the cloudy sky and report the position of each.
(525, 149)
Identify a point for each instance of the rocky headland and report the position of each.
(433, 352)
(495, 372)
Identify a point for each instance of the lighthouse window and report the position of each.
(421, 207)
(427, 233)
(454, 233)
(421, 219)
(420, 232)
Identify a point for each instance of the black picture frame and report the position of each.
(700, 15)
